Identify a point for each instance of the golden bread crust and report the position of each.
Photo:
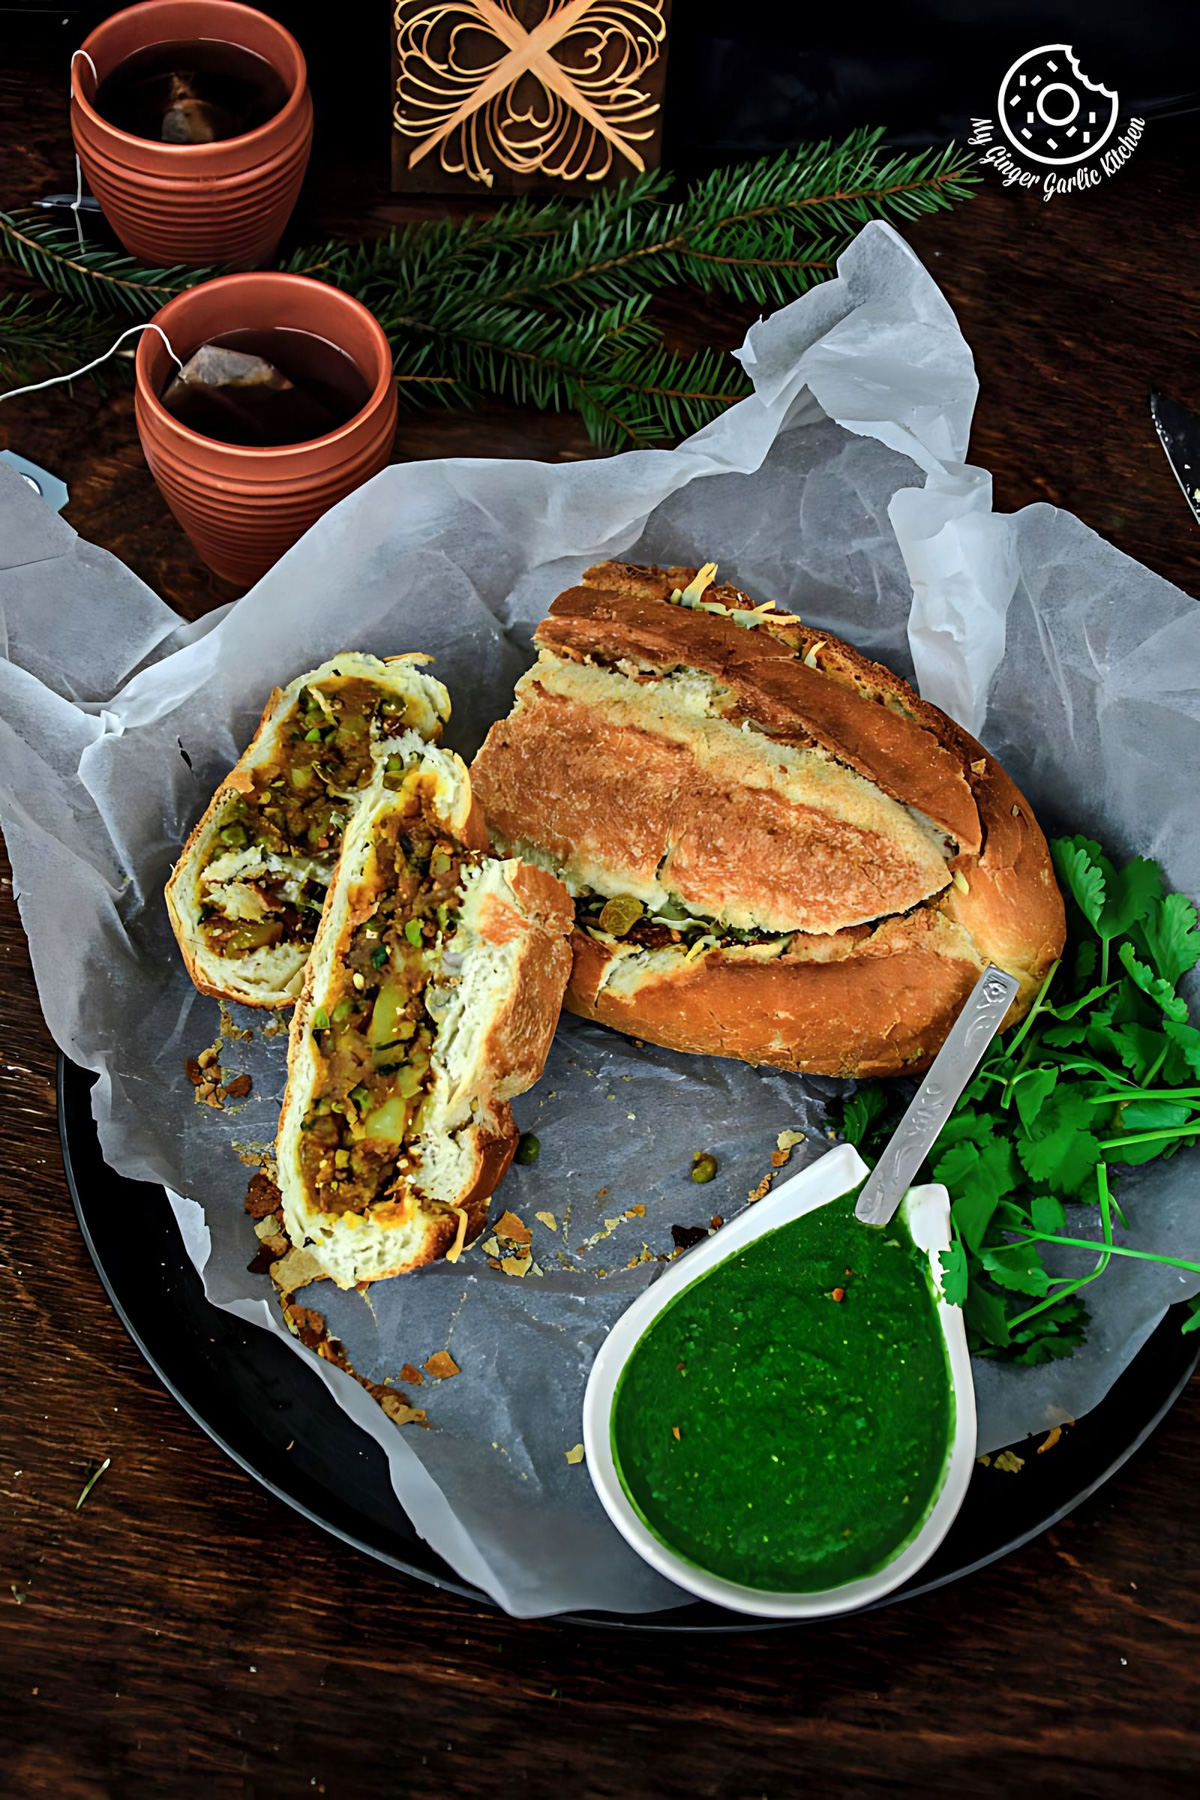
(842, 704)
(519, 1035)
(1012, 906)
(701, 818)
(562, 776)
(862, 999)
(870, 1014)
(186, 936)
(858, 1003)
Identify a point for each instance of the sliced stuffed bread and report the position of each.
(778, 852)
(246, 894)
(430, 1000)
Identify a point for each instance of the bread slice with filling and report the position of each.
(778, 851)
(431, 998)
(245, 896)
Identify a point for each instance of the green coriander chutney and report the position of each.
(786, 1421)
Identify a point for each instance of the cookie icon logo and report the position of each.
(1050, 112)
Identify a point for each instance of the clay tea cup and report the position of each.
(224, 201)
(242, 504)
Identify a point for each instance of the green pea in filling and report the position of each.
(292, 821)
(373, 1034)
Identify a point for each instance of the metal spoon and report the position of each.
(937, 1096)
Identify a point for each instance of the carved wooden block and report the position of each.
(508, 96)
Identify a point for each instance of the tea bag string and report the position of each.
(73, 374)
(78, 200)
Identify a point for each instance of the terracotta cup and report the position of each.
(224, 203)
(243, 507)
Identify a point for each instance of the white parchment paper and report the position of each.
(840, 490)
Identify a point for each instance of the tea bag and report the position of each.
(188, 118)
(244, 399)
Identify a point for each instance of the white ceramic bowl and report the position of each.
(926, 1211)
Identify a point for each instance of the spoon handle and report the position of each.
(935, 1099)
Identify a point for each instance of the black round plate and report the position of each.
(255, 1398)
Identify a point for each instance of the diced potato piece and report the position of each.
(388, 1121)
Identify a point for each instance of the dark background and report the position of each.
(185, 1634)
(758, 75)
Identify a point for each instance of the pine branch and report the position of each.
(543, 303)
(659, 396)
(94, 278)
(36, 341)
(765, 231)
(751, 232)
(611, 368)
(846, 183)
(529, 359)
(413, 254)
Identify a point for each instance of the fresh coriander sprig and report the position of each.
(1102, 1072)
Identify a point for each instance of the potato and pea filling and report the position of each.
(659, 927)
(373, 1032)
(266, 880)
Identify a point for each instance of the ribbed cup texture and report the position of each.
(243, 507)
(194, 203)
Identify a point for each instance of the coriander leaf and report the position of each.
(1048, 1321)
(1160, 991)
(1047, 1213)
(1072, 1008)
(984, 1313)
(1066, 1036)
(1016, 1266)
(1172, 938)
(1011, 1217)
(1055, 1331)
(1087, 960)
(954, 1273)
(1137, 1046)
(986, 1164)
(1133, 892)
(1128, 1005)
(1132, 1154)
(976, 1175)
(1031, 1090)
(1075, 1086)
(1185, 1041)
(1079, 865)
(1046, 1349)
(972, 1214)
(965, 1125)
(1153, 1115)
(1062, 1149)
(1110, 899)
(865, 1105)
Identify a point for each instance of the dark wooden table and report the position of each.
(185, 1634)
